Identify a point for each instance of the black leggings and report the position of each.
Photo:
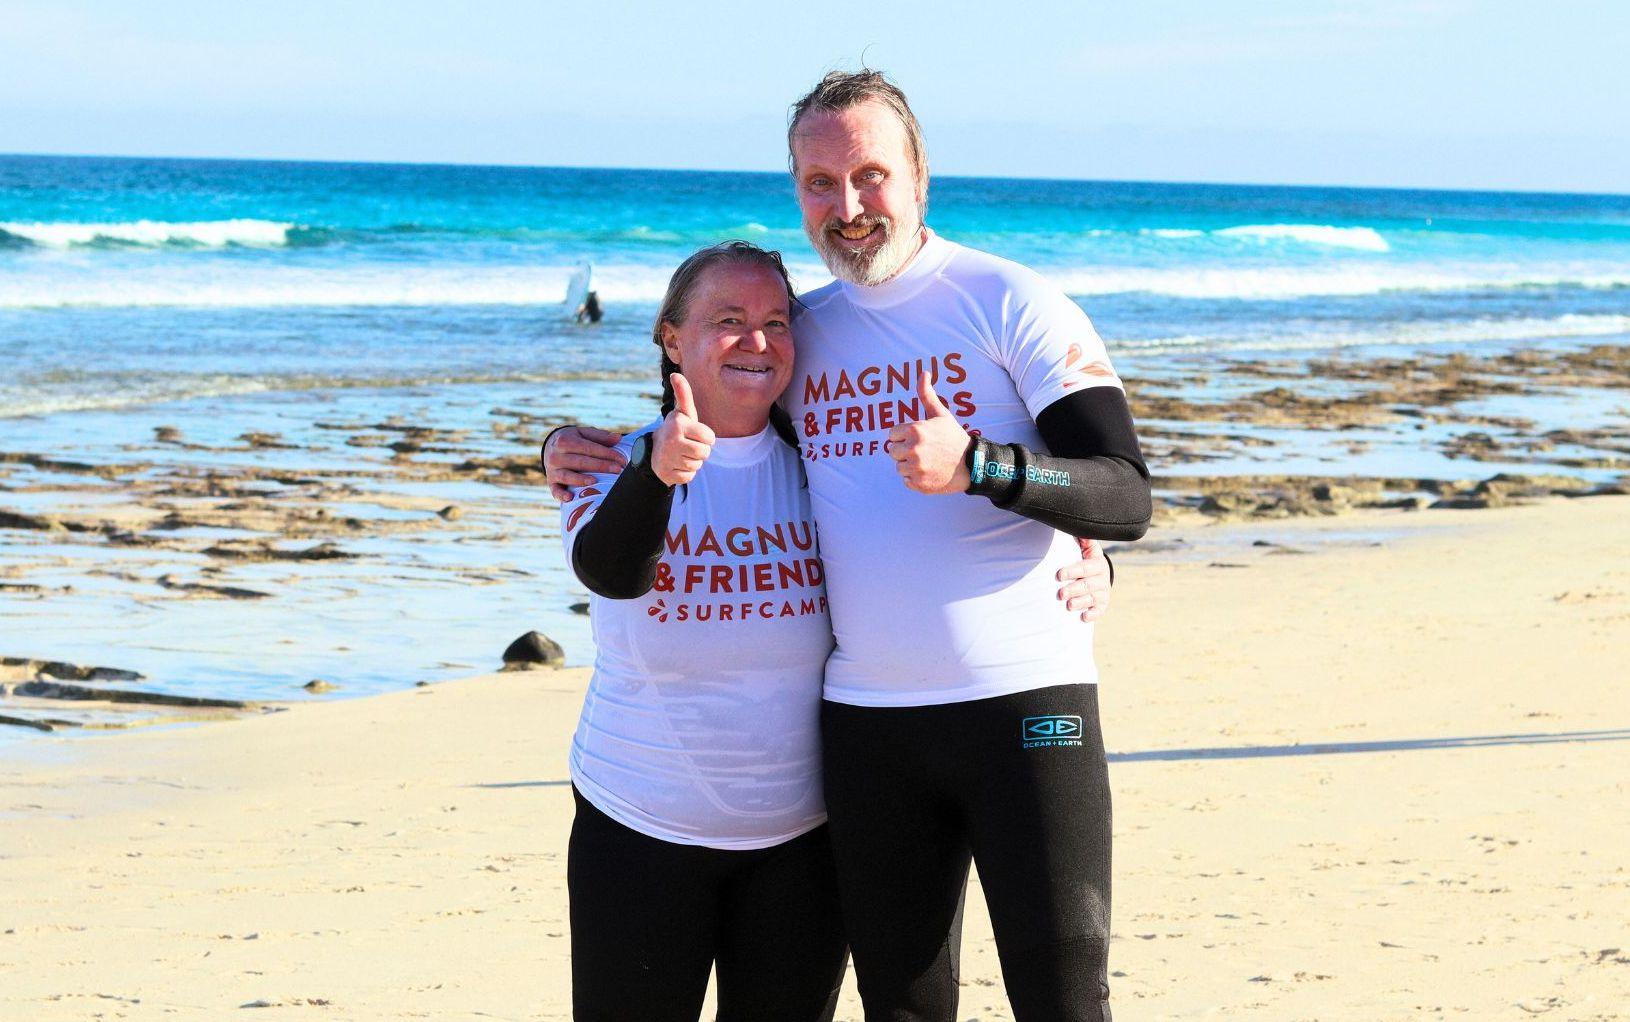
(1019, 784)
(650, 919)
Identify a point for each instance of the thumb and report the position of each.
(933, 407)
(684, 400)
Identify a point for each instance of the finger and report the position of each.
(691, 450)
(933, 408)
(1096, 612)
(566, 477)
(568, 447)
(600, 436)
(604, 463)
(1074, 589)
(1075, 570)
(560, 491)
(1089, 547)
(700, 432)
(684, 400)
(1080, 603)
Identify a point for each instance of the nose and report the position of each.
(753, 341)
(848, 202)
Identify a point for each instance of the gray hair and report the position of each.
(682, 286)
(841, 90)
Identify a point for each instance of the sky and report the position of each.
(1410, 93)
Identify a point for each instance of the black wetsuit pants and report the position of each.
(651, 919)
(1017, 783)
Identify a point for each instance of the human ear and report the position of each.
(670, 342)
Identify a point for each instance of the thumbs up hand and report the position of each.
(683, 442)
(929, 453)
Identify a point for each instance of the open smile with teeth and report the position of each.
(755, 370)
(860, 233)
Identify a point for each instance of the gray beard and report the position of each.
(871, 267)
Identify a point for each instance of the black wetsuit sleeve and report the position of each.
(1092, 483)
(616, 553)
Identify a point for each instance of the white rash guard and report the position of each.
(938, 599)
(701, 723)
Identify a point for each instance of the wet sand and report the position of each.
(1354, 779)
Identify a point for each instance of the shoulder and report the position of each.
(812, 301)
(991, 278)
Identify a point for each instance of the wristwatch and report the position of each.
(639, 456)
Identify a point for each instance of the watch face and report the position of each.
(641, 452)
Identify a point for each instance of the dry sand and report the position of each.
(1375, 844)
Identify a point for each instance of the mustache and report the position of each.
(864, 220)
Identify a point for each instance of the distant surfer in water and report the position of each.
(590, 311)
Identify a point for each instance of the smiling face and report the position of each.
(734, 346)
(861, 192)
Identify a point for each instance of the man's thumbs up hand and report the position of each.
(683, 442)
(929, 453)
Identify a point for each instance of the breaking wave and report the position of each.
(151, 234)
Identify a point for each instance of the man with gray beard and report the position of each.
(959, 422)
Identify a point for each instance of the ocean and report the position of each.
(217, 300)
(135, 281)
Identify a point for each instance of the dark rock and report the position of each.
(53, 690)
(39, 523)
(1229, 502)
(40, 669)
(533, 650)
(317, 686)
(167, 434)
(451, 513)
(579, 608)
(1334, 494)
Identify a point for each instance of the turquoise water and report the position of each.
(225, 297)
(125, 282)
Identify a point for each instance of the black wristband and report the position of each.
(993, 469)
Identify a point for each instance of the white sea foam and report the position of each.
(152, 233)
(1522, 328)
(172, 286)
(1282, 283)
(1367, 239)
(179, 286)
(137, 389)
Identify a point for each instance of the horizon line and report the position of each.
(705, 170)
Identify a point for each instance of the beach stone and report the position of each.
(451, 513)
(167, 434)
(579, 608)
(533, 651)
(317, 686)
(38, 523)
(1334, 494)
(1229, 502)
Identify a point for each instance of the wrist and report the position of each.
(992, 469)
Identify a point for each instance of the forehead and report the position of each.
(740, 284)
(865, 133)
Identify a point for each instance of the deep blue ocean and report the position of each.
(131, 281)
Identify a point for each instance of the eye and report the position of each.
(820, 181)
(779, 324)
(872, 176)
(729, 320)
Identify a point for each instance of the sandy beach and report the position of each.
(1354, 780)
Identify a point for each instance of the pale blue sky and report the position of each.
(1430, 93)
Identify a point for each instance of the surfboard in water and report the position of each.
(577, 289)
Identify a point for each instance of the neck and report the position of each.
(922, 239)
(734, 422)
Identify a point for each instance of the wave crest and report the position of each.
(152, 234)
(1366, 239)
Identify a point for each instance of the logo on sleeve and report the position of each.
(1054, 729)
